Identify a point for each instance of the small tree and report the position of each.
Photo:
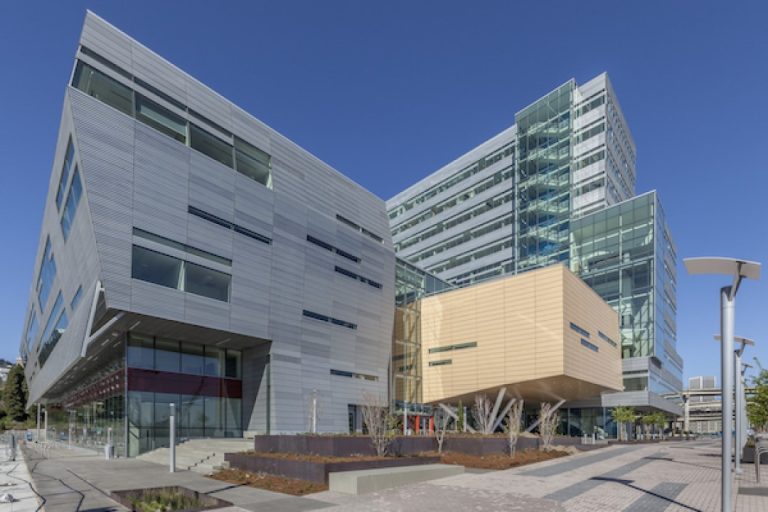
(622, 415)
(481, 412)
(378, 421)
(660, 421)
(15, 394)
(514, 425)
(548, 420)
(648, 421)
(441, 426)
(757, 408)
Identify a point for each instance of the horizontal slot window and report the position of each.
(580, 330)
(103, 88)
(161, 119)
(606, 338)
(354, 375)
(356, 227)
(357, 277)
(456, 346)
(146, 235)
(70, 208)
(69, 157)
(590, 346)
(324, 318)
(210, 145)
(161, 269)
(229, 225)
(441, 362)
(252, 162)
(329, 247)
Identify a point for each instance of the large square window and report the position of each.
(206, 282)
(161, 119)
(210, 145)
(154, 267)
(253, 162)
(95, 83)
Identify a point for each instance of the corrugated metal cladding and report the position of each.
(136, 177)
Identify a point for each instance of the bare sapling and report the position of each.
(514, 426)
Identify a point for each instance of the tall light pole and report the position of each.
(738, 270)
(739, 399)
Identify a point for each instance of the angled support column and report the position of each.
(503, 413)
(451, 411)
(492, 420)
(554, 409)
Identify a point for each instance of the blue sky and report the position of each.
(387, 92)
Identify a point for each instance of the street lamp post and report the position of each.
(738, 270)
(739, 399)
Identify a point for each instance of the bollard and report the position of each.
(172, 450)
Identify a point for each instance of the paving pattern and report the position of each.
(659, 477)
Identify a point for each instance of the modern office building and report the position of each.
(558, 186)
(190, 254)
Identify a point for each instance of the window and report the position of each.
(192, 361)
(329, 247)
(68, 158)
(46, 276)
(206, 282)
(323, 318)
(157, 268)
(73, 199)
(232, 364)
(167, 355)
(210, 145)
(161, 119)
(579, 330)
(146, 235)
(140, 352)
(441, 362)
(229, 225)
(100, 86)
(353, 375)
(54, 328)
(357, 277)
(76, 298)
(213, 362)
(362, 230)
(32, 327)
(456, 346)
(589, 345)
(253, 162)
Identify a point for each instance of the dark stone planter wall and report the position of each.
(345, 446)
(314, 471)
(206, 502)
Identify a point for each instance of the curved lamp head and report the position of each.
(736, 268)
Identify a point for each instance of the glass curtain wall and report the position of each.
(203, 381)
(411, 284)
(613, 252)
(544, 179)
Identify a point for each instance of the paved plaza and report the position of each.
(668, 476)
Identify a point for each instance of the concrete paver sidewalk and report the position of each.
(15, 480)
(668, 476)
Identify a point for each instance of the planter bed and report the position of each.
(315, 468)
(402, 446)
(127, 498)
(748, 456)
